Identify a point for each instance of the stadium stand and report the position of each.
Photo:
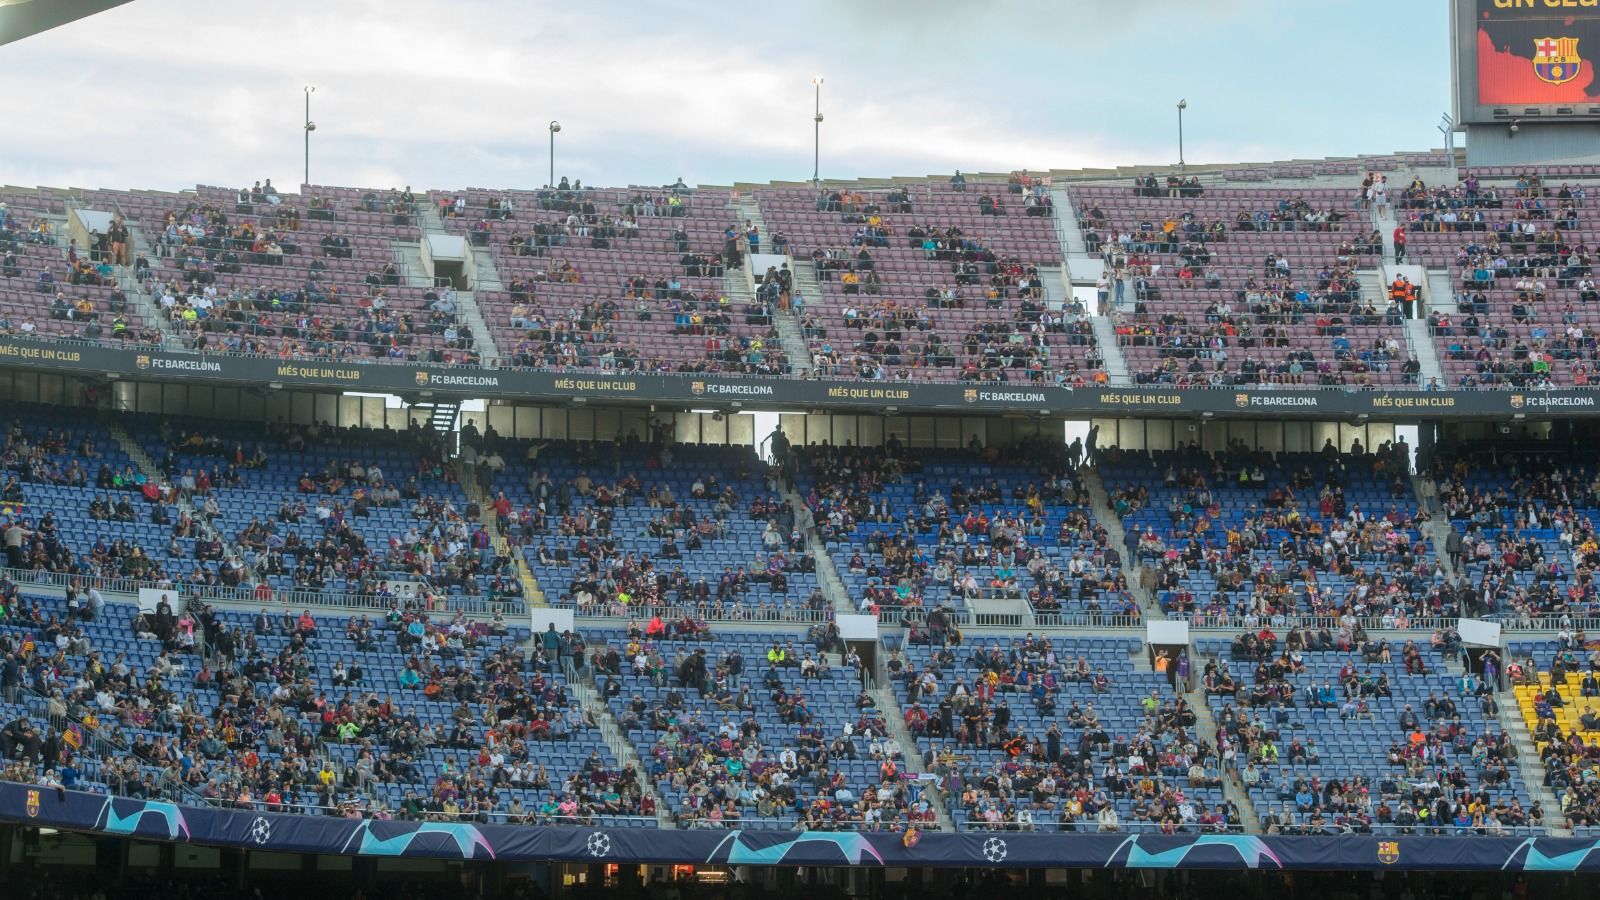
(50, 286)
(1556, 703)
(1526, 524)
(643, 527)
(296, 276)
(1516, 250)
(617, 279)
(930, 282)
(917, 532)
(1332, 733)
(803, 746)
(1242, 286)
(1247, 536)
(1032, 733)
(405, 716)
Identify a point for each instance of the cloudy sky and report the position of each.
(456, 93)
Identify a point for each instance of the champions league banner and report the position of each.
(250, 830)
(733, 391)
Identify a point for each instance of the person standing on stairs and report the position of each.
(1400, 243)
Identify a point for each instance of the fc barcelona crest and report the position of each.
(33, 804)
(1388, 852)
(422, 378)
(1556, 60)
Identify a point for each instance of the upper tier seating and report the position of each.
(615, 278)
(1243, 286)
(926, 281)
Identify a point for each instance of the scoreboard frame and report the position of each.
(1467, 107)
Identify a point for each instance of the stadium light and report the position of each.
(310, 127)
(816, 136)
(1182, 105)
(1447, 127)
(554, 127)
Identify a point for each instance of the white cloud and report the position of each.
(167, 93)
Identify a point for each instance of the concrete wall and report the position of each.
(1535, 143)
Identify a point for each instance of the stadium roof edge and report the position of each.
(1084, 174)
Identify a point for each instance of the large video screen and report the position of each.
(1516, 54)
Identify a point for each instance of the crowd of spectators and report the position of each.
(1227, 564)
(1058, 767)
(982, 540)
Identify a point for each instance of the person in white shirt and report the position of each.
(1107, 818)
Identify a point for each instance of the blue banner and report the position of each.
(154, 820)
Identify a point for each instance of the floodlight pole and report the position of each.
(816, 136)
(309, 127)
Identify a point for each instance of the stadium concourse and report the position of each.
(274, 621)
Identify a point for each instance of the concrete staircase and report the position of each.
(738, 288)
(485, 274)
(884, 696)
(806, 289)
(471, 315)
(1105, 335)
(139, 300)
(1437, 528)
(1385, 222)
(611, 732)
(1057, 285)
(795, 348)
(1372, 286)
(1531, 767)
(827, 573)
(1066, 222)
(1100, 503)
(531, 592)
(408, 258)
(142, 301)
(152, 470)
(1420, 340)
(806, 293)
(432, 222)
(1205, 726)
(484, 277)
(748, 210)
(1438, 292)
